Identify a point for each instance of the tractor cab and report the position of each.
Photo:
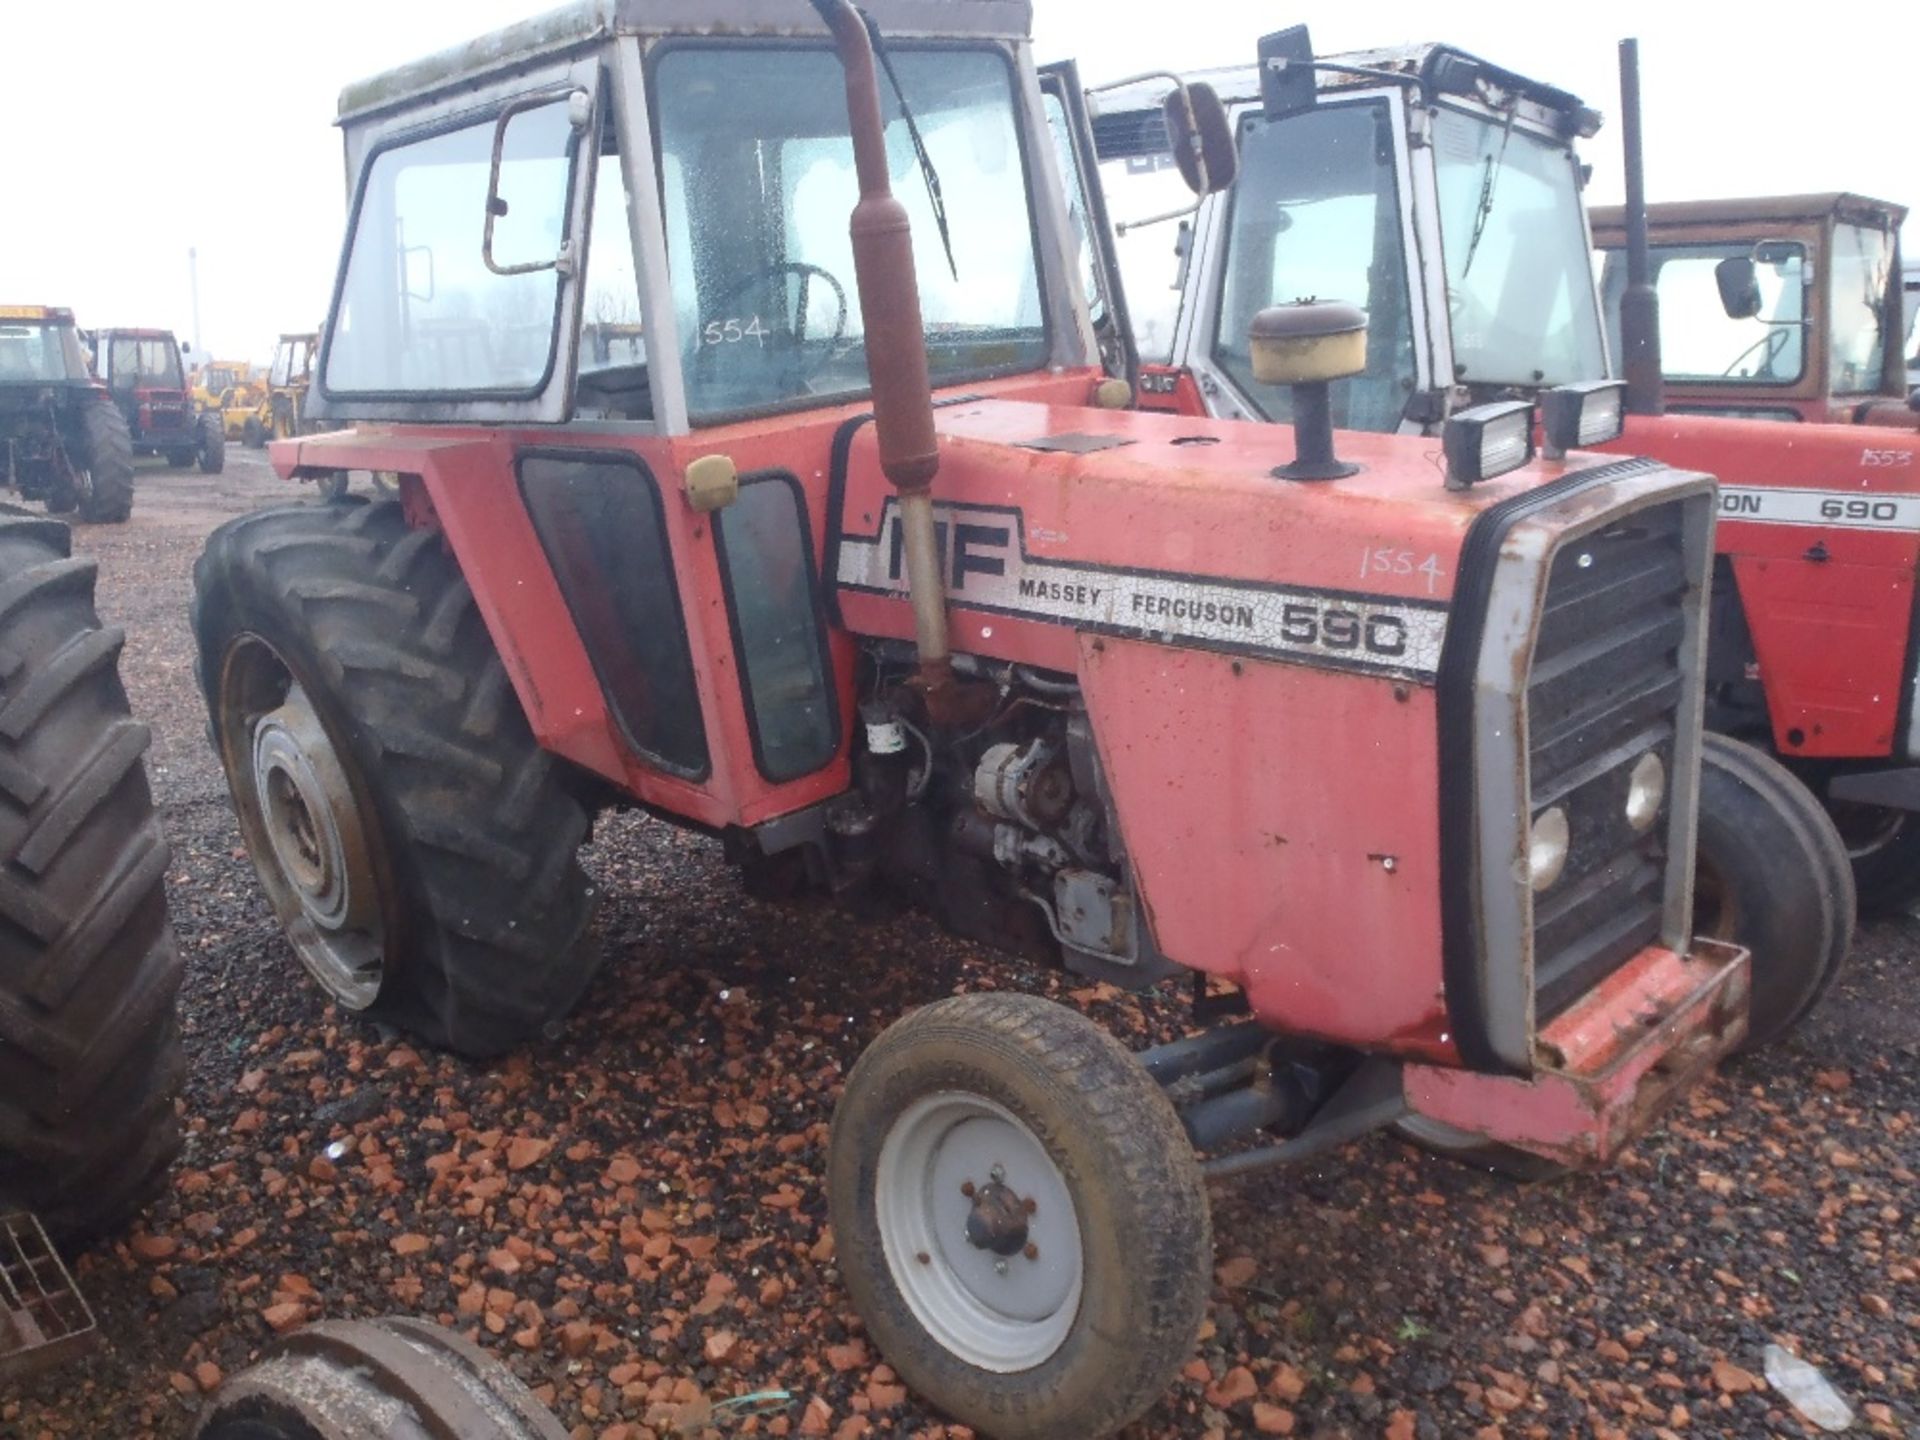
(144, 372)
(1779, 308)
(40, 346)
(1439, 192)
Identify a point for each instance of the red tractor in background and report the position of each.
(1444, 193)
(144, 372)
(841, 555)
(1784, 307)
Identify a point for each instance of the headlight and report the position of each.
(1575, 416)
(1486, 441)
(1646, 788)
(1547, 843)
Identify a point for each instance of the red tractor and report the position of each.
(1778, 308)
(1444, 194)
(144, 373)
(836, 556)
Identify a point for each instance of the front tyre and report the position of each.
(1021, 1219)
(1771, 874)
(418, 846)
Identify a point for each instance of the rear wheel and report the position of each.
(1022, 1221)
(252, 433)
(1772, 874)
(90, 1058)
(103, 483)
(213, 444)
(373, 1380)
(417, 844)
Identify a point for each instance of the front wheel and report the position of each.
(253, 434)
(1771, 873)
(1022, 1221)
(418, 846)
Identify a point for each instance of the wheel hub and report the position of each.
(320, 864)
(980, 1231)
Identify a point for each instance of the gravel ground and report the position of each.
(632, 1214)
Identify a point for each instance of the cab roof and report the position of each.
(1839, 204)
(133, 332)
(54, 314)
(1127, 121)
(1425, 61)
(590, 22)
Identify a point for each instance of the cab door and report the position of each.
(1097, 264)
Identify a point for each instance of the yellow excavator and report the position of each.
(279, 413)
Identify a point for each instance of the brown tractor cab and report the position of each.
(281, 411)
(145, 373)
(63, 441)
(854, 557)
(1779, 308)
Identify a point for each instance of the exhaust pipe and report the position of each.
(1639, 305)
(896, 347)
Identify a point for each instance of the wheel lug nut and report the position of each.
(924, 1258)
(1032, 1252)
(1028, 1205)
(997, 1174)
(999, 1267)
(966, 1188)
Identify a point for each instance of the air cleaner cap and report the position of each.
(1307, 342)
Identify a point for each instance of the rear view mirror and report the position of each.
(1739, 287)
(1287, 84)
(1202, 138)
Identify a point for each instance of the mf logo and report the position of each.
(966, 548)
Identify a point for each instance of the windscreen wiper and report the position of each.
(1489, 178)
(927, 172)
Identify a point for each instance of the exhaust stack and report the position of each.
(1639, 305)
(896, 346)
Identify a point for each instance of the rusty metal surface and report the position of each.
(374, 1379)
(1609, 220)
(1610, 1063)
(44, 1319)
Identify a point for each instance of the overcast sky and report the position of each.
(151, 128)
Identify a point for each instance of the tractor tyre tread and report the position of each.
(90, 1057)
(1115, 1136)
(212, 450)
(483, 826)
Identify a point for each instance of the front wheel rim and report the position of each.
(979, 1231)
(305, 828)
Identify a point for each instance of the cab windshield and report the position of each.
(758, 180)
(1519, 280)
(30, 351)
(143, 363)
(1316, 214)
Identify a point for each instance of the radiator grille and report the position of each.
(1604, 690)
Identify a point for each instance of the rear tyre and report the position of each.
(1021, 1219)
(90, 1059)
(213, 444)
(105, 483)
(1772, 874)
(252, 433)
(350, 1379)
(418, 846)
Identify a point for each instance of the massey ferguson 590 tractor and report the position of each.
(853, 569)
(1444, 194)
